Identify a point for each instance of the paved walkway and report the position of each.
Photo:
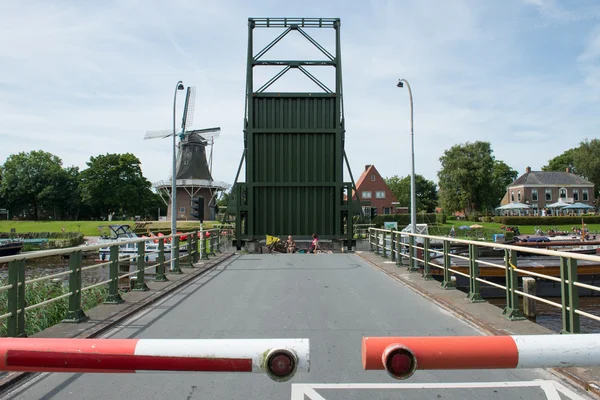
(334, 300)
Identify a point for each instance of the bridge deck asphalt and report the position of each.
(334, 300)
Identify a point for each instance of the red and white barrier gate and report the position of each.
(280, 359)
(402, 356)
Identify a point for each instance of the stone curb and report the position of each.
(589, 387)
(15, 378)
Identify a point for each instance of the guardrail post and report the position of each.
(140, 284)
(176, 270)
(16, 299)
(384, 250)
(448, 283)
(75, 313)
(393, 244)
(511, 311)
(412, 263)
(113, 274)
(370, 236)
(203, 253)
(426, 259)
(21, 302)
(160, 267)
(219, 240)
(193, 248)
(474, 295)
(212, 244)
(569, 296)
(12, 322)
(377, 242)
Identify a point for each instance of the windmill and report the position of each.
(192, 172)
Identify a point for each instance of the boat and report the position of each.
(588, 272)
(10, 247)
(112, 234)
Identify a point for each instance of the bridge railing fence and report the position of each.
(420, 252)
(20, 294)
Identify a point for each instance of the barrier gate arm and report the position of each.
(402, 356)
(280, 359)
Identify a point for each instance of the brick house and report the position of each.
(373, 191)
(541, 188)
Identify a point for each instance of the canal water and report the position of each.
(55, 264)
(551, 317)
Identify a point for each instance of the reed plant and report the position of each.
(41, 318)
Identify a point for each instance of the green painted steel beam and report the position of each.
(329, 63)
(295, 184)
(294, 130)
(293, 94)
(283, 22)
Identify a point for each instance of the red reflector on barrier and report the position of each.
(400, 364)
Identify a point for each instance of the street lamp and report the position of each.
(179, 86)
(413, 200)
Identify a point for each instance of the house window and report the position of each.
(534, 195)
(585, 195)
(182, 210)
(387, 210)
(518, 195)
(548, 194)
(512, 196)
(373, 178)
(562, 193)
(366, 195)
(380, 194)
(575, 194)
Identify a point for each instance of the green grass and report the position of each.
(88, 228)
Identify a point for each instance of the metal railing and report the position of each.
(199, 245)
(420, 257)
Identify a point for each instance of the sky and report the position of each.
(79, 79)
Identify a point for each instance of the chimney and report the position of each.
(367, 166)
(527, 170)
(568, 170)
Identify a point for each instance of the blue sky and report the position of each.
(80, 79)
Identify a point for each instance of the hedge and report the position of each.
(404, 219)
(41, 235)
(546, 220)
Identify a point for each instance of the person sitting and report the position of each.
(314, 246)
(290, 245)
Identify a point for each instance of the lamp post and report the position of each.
(413, 196)
(179, 86)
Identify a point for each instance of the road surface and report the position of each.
(334, 300)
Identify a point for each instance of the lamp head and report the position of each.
(400, 84)
(180, 86)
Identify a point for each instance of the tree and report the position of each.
(467, 178)
(34, 184)
(562, 162)
(586, 160)
(425, 190)
(115, 183)
(583, 160)
(502, 176)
